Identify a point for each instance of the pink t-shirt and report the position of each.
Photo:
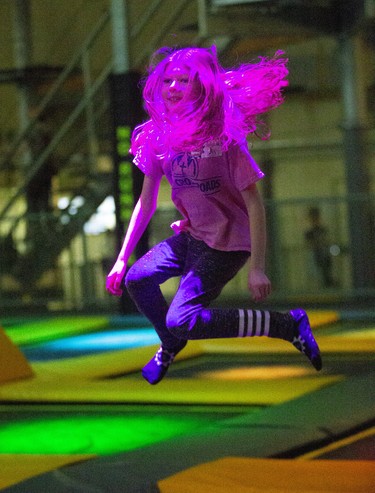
(206, 188)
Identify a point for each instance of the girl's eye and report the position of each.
(180, 80)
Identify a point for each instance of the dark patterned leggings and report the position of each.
(204, 272)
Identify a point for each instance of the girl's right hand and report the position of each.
(114, 279)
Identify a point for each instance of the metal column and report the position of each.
(354, 129)
(22, 53)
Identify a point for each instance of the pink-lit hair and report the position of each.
(227, 105)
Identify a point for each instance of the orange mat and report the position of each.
(241, 475)
(13, 364)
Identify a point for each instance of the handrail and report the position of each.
(137, 28)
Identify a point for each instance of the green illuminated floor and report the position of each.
(46, 329)
(66, 430)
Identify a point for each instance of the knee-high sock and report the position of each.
(265, 323)
(229, 323)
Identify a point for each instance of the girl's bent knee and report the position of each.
(178, 326)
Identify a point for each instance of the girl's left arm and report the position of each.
(258, 282)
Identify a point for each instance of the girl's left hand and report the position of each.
(259, 284)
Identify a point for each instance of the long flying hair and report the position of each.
(226, 106)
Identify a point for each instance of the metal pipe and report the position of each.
(202, 19)
(22, 54)
(90, 122)
(120, 42)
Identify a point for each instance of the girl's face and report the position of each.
(177, 86)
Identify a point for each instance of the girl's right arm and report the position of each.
(142, 214)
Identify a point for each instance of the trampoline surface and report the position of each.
(86, 416)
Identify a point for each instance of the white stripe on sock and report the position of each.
(259, 323)
(241, 324)
(266, 323)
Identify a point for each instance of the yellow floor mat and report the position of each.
(17, 468)
(81, 379)
(78, 380)
(129, 360)
(368, 333)
(242, 475)
(351, 343)
(322, 317)
(171, 391)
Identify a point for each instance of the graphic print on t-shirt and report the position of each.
(186, 172)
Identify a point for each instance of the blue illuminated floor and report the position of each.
(86, 344)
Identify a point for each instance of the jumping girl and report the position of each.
(200, 116)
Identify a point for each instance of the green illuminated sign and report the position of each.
(125, 186)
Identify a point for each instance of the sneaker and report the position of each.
(158, 366)
(304, 340)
